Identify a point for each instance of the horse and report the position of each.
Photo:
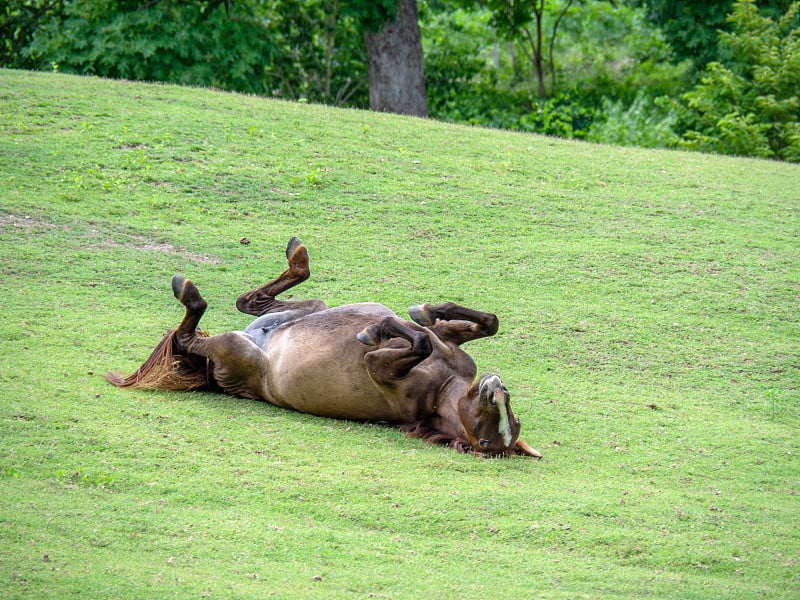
(358, 362)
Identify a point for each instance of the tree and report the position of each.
(396, 72)
(321, 50)
(693, 27)
(750, 104)
(19, 20)
(198, 43)
(513, 19)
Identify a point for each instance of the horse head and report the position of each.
(489, 423)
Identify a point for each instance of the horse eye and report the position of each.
(483, 443)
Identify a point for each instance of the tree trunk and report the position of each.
(537, 51)
(395, 71)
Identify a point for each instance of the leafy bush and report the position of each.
(608, 50)
(19, 20)
(645, 122)
(566, 115)
(693, 27)
(320, 54)
(749, 105)
(190, 43)
(458, 71)
(605, 54)
(295, 49)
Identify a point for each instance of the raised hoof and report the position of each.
(178, 281)
(187, 294)
(420, 316)
(364, 336)
(292, 247)
(490, 388)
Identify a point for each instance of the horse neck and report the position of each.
(447, 419)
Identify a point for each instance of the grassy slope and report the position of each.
(649, 334)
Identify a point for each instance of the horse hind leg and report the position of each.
(262, 300)
(233, 359)
(172, 365)
(187, 294)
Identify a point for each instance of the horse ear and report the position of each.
(523, 448)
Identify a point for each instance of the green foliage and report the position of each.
(372, 15)
(296, 49)
(19, 20)
(606, 49)
(692, 27)
(609, 50)
(194, 43)
(606, 54)
(749, 105)
(533, 28)
(464, 86)
(646, 122)
(461, 81)
(320, 54)
(563, 115)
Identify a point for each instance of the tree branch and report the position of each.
(552, 44)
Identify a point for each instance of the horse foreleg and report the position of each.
(454, 323)
(262, 299)
(399, 348)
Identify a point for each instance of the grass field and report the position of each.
(650, 316)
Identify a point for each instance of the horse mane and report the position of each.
(167, 370)
(434, 436)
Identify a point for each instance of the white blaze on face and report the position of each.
(504, 428)
(500, 400)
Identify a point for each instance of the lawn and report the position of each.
(649, 306)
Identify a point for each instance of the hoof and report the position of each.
(490, 388)
(420, 316)
(187, 294)
(365, 337)
(292, 247)
(178, 281)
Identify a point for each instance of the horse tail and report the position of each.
(166, 369)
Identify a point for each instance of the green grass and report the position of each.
(649, 335)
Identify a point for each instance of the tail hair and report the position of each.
(166, 369)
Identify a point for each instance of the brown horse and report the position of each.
(359, 361)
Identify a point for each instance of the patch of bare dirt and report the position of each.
(142, 243)
(26, 223)
(99, 240)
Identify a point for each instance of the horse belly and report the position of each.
(324, 374)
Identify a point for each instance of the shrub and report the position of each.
(749, 105)
(645, 122)
(189, 43)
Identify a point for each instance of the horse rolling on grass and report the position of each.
(359, 362)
